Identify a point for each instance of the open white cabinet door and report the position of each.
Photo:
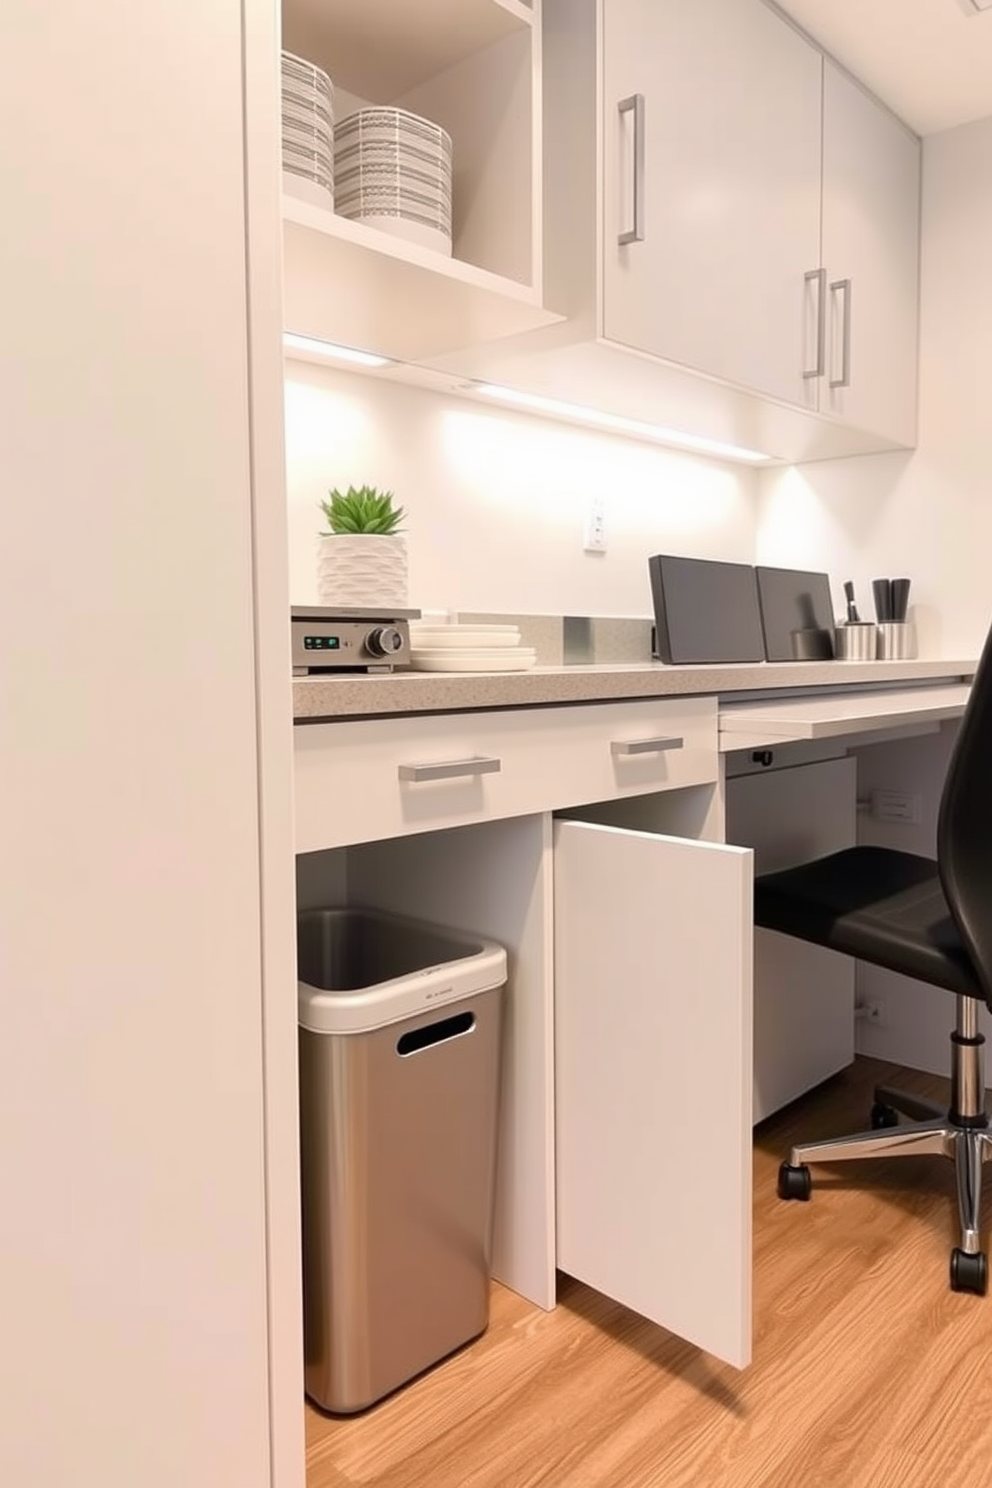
(653, 1008)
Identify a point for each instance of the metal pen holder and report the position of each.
(856, 641)
(896, 641)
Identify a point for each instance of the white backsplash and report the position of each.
(497, 500)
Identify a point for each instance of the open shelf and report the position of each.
(357, 286)
(382, 49)
(473, 67)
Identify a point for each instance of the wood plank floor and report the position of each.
(868, 1372)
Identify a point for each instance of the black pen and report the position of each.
(852, 609)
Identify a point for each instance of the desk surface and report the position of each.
(751, 725)
(353, 695)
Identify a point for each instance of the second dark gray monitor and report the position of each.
(796, 614)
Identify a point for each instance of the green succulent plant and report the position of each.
(362, 510)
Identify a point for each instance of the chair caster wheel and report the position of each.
(969, 1271)
(882, 1116)
(794, 1183)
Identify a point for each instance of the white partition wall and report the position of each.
(134, 1341)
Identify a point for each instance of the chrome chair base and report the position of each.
(961, 1133)
(968, 1148)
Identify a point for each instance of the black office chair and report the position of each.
(931, 921)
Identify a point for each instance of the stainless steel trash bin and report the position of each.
(399, 1075)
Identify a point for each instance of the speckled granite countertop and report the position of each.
(357, 695)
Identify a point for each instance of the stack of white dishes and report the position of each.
(307, 131)
(393, 171)
(468, 648)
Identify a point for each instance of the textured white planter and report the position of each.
(362, 570)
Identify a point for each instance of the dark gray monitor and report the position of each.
(705, 611)
(796, 614)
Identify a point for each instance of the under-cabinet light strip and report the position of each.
(616, 423)
(330, 352)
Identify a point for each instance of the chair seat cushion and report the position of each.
(882, 906)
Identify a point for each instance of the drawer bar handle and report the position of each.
(624, 748)
(450, 769)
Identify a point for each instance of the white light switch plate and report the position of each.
(594, 540)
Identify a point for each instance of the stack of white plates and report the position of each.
(393, 171)
(468, 648)
(307, 131)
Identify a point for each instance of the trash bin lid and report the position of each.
(359, 1010)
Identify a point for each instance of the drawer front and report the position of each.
(373, 778)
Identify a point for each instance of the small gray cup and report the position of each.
(812, 644)
(856, 641)
(896, 640)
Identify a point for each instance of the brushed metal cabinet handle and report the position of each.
(624, 748)
(451, 769)
(820, 276)
(844, 380)
(635, 105)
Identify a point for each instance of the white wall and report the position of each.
(929, 514)
(497, 500)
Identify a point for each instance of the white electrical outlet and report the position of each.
(875, 1011)
(594, 540)
(896, 806)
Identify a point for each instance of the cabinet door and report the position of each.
(871, 230)
(653, 1077)
(803, 994)
(730, 189)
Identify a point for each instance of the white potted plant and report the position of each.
(362, 559)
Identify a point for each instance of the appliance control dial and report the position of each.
(384, 640)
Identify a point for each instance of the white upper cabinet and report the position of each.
(472, 66)
(711, 189)
(760, 211)
(870, 254)
(702, 299)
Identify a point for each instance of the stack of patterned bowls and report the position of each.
(307, 131)
(393, 171)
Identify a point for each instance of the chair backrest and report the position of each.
(964, 826)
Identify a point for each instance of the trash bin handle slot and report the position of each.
(434, 1033)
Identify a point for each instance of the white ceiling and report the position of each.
(929, 60)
